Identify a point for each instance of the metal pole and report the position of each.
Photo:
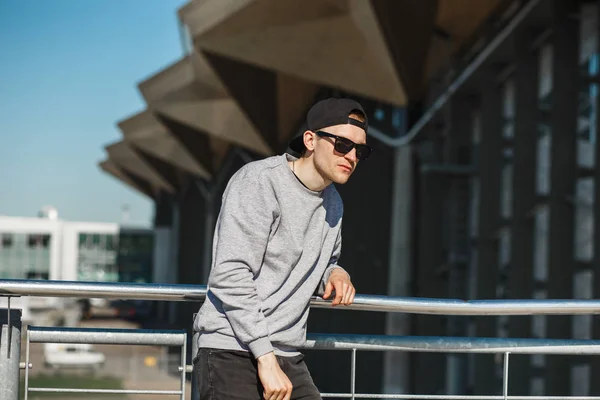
(353, 376)
(10, 353)
(183, 367)
(195, 394)
(362, 302)
(26, 388)
(505, 376)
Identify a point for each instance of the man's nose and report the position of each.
(351, 155)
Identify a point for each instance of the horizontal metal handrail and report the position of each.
(141, 291)
(450, 397)
(449, 344)
(38, 334)
(104, 391)
(105, 290)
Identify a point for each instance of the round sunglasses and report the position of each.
(344, 146)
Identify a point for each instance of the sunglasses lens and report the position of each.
(362, 151)
(343, 145)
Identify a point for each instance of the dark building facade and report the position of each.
(482, 187)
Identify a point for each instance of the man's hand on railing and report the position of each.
(276, 384)
(339, 281)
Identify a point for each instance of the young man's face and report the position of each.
(331, 164)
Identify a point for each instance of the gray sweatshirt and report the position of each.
(275, 245)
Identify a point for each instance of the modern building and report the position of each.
(53, 249)
(482, 184)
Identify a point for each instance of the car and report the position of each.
(71, 355)
(132, 310)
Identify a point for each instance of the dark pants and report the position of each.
(233, 375)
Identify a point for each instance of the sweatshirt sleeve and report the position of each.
(337, 250)
(248, 210)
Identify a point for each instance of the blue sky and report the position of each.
(68, 73)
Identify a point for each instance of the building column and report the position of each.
(458, 171)
(520, 274)
(190, 236)
(429, 369)
(563, 127)
(489, 173)
(162, 262)
(396, 363)
(595, 361)
(163, 227)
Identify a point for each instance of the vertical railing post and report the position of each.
(505, 376)
(183, 367)
(353, 375)
(10, 353)
(195, 394)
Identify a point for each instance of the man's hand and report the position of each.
(276, 384)
(344, 290)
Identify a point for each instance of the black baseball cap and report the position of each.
(330, 112)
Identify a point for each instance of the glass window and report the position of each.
(37, 275)
(111, 242)
(540, 256)
(146, 243)
(38, 241)
(545, 76)
(588, 65)
(584, 219)
(507, 189)
(508, 108)
(588, 32)
(7, 241)
(504, 248)
(545, 57)
(543, 164)
(32, 240)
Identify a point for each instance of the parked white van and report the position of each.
(59, 355)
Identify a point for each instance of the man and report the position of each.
(276, 243)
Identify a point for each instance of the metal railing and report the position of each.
(352, 343)
(133, 337)
(143, 291)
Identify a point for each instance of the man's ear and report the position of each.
(309, 140)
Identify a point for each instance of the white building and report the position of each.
(54, 249)
(36, 248)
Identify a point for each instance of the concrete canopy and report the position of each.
(276, 103)
(380, 49)
(144, 131)
(128, 158)
(305, 40)
(126, 177)
(190, 94)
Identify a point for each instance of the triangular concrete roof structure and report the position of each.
(257, 65)
(189, 93)
(146, 132)
(127, 157)
(128, 178)
(381, 49)
(308, 41)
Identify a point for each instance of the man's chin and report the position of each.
(341, 179)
